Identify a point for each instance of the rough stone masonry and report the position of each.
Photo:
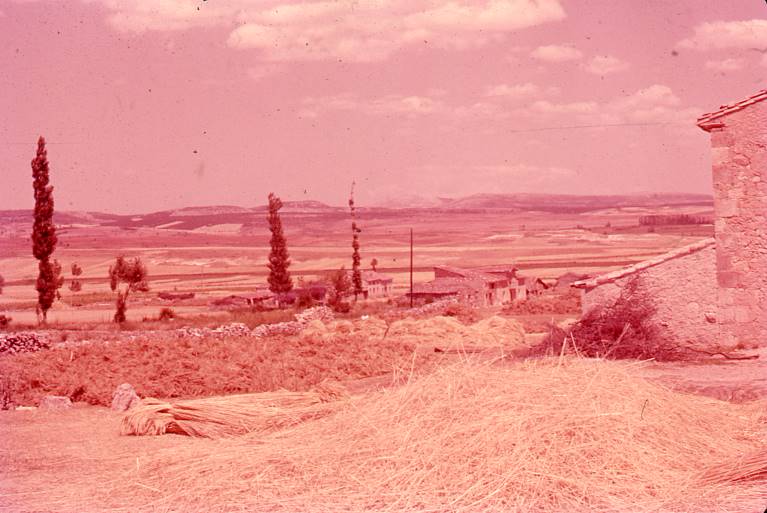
(739, 158)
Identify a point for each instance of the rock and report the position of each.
(22, 342)
(125, 398)
(55, 403)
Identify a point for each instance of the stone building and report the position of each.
(477, 287)
(680, 285)
(376, 285)
(715, 291)
(739, 160)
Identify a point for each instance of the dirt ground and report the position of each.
(75, 461)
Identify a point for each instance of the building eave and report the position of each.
(707, 121)
(641, 266)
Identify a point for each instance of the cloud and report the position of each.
(564, 108)
(726, 65)
(727, 34)
(656, 104)
(393, 104)
(364, 30)
(556, 53)
(606, 64)
(519, 91)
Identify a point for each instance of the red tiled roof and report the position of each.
(707, 121)
(641, 266)
(447, 286)
(375, 276)
(472, 274)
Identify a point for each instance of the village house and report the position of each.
(713, 291)
(533, 285)
(466, 285)
(376, 285)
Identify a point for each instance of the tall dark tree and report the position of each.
(4, 320)
(356, 273)
(280, 281)
(133, 274)
(44, 239)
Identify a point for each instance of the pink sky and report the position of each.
(157, 104)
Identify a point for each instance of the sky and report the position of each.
(157, 104)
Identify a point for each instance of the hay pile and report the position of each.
(218, 417)
(542, 436)
(446, 333)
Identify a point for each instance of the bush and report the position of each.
(5, 321)
(167, 314)
(624, 329)
(305, 299)
(342, 307)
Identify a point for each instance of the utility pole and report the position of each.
(411, 268)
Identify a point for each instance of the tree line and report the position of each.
(673, 219)
(127, 275)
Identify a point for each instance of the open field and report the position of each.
(213, 264)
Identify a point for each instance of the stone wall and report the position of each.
(682, 290)
(739, 158)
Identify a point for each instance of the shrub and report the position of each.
(166, 314)
(133, 274)
(624, 329)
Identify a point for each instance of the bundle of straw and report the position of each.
(217, 417)
(544, 435)
(750, 467)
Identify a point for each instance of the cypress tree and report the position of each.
(44, 239)
(280, 281)
(356, 274)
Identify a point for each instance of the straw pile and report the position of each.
(546, 435)
(218, 417)
(446, 333)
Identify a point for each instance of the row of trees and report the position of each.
(129, 275)
(674, 219)
(280, 281)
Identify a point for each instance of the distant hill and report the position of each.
(194, 218)
(572, 203)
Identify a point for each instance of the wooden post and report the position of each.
(411, 268)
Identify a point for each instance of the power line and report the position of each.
(34, 143)
(575, 127)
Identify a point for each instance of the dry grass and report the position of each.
(218, 417)
(445, 333)
(184, 367)
(555, 302)
(547, 435)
